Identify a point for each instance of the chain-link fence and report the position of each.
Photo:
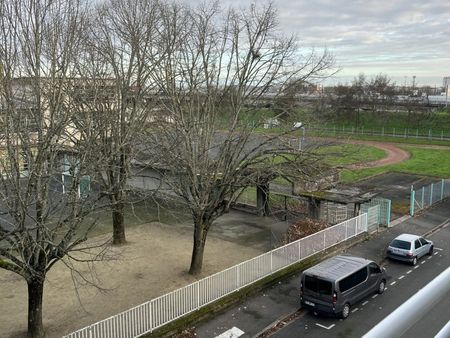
(428, 195)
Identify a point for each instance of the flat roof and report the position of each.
(407, 237)
(342, 195)
(337, 267)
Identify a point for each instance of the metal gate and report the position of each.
(385, 209)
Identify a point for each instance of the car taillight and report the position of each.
(334, 297)
(409, 254)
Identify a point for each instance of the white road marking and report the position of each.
(439, 249)
(393, 282)
(436, 253)
(375, 296)
(385, 289)
(365, 303)
(430, 257)
(408, 272)
(423, 262)
(234, 332)
(326, 327)
(355, 309)
(417, 266)
(401, 277)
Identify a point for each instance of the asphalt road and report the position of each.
(403, 282)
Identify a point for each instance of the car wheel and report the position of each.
(381, 286)
(345, 311)
(414, 261)
(431, 251)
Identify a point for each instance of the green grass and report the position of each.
(401, 122)
(248, 195)
(344, 154)
(420, 121)
(428, 162)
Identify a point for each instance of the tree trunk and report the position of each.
(35, 293)
(118, 224)
(198, 249)
(262, 199)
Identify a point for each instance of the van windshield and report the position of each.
(318, 285)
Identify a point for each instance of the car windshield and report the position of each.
(396, 243)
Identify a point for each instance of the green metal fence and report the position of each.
(428, 195)
(384, 210)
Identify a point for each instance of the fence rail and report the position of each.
(418, 134)
(428, 195)
(157, 312)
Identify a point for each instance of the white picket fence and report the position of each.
(160, 311)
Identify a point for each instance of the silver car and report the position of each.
(409, 248)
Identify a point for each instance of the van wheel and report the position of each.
(345, 311)
(414, 261)
(381, 286)
(431, 251)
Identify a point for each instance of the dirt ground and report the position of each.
(154, 262)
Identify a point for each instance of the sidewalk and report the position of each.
(256, 313)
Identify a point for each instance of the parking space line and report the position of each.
(234, 332)
(326, 327)
(375, 296)
(417, 266)
(393, 282)
(423, 262)
(385, 289)
(430, 257)
(401, 277)
(436, 253)
(439, 249)
(365, 303)
(408, 272)
(355, 309)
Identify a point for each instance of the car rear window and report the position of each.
(396, 243)
(318, 285)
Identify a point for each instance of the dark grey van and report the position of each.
(334, 285)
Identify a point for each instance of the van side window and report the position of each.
(354, 279)
(417, 244)
(374, 268)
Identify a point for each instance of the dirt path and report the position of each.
(393, 154)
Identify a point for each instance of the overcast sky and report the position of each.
(399, 38)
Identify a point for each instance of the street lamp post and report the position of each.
(301, 140)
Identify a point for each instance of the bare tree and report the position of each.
(381, 93)
(39, 224)
(214, 69)
(114, 63)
